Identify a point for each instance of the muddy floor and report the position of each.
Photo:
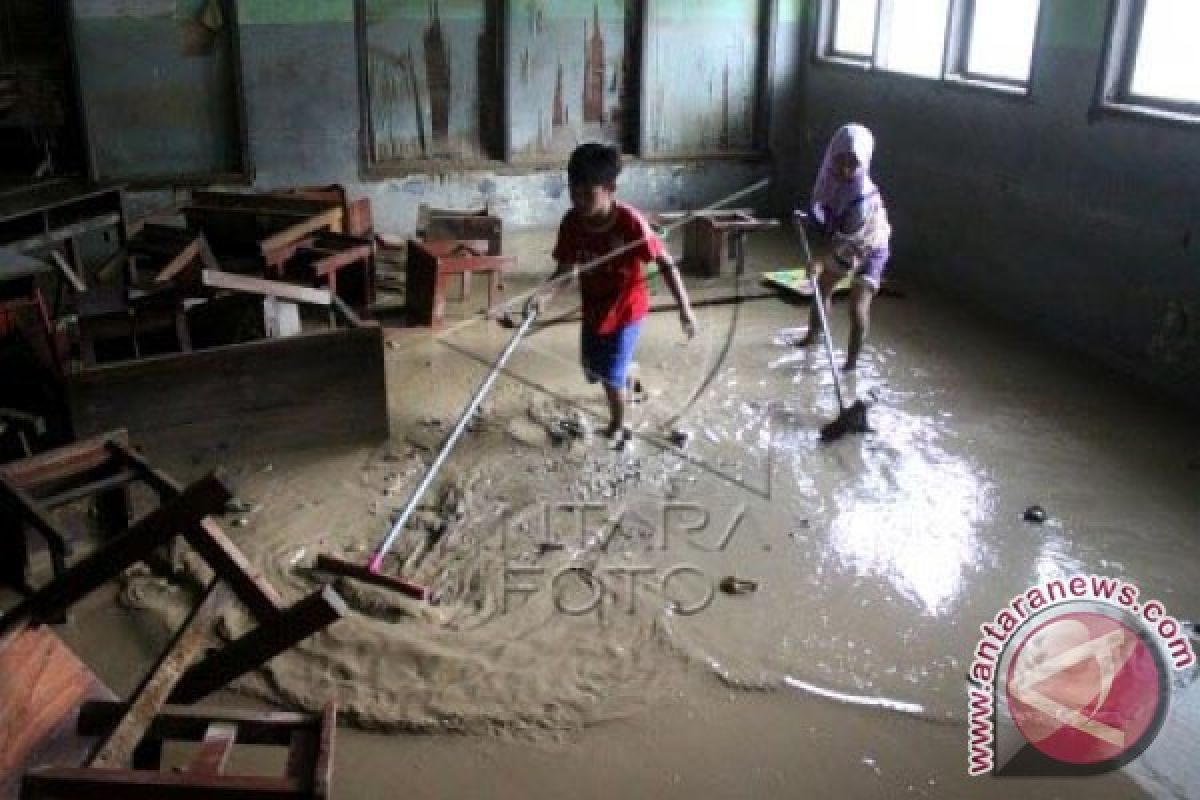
(582, 644)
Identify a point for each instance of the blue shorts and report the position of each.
(607, 357)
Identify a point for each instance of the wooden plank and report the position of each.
(116, 750)
(308, 616)
(214, 750)
(323, 771)
(205, 496)
(180, 262)
(115, 481)
(160, 482)
(59, 235)
(54, 465)
(303, 751)
(248, 583)
(331, 219)
(260, 392)
(287, 291)
(21, 506)
(43, 685)
(347, 313)
(332, 263)
(63, 267)
(68, 783)
(189, 723)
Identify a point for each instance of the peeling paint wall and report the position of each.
(303, 119)
(1083, 230)
(300, 82)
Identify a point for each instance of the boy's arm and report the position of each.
(544, 294)
(670, 273)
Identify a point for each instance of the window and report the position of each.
(854, 27)
(1153, 64)
(986, 42)
(999, 45)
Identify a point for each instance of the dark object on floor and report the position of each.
(732, 585)
(1035, 514)
(680, 438)
(852, 419)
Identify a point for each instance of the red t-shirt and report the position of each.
(614, 291)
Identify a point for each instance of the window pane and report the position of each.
(1001, 44)
(854, 28)
(916, 37)
(1167, 64)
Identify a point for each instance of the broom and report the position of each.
(853, 418)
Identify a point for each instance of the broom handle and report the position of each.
(415, 498)
(800, 219)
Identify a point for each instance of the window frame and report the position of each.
(955, 54)
(1115, 91)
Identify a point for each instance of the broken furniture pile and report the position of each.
(212, 322)
(109, 748)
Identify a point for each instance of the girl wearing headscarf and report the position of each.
(848, 215)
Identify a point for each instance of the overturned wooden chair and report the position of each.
(63, 737)
(124, 759)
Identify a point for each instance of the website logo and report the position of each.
(1072, 678)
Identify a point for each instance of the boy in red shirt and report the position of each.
(607, 243)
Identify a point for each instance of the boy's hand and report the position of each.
(536, 302)
(687, 320)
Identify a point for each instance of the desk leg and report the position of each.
(439, 299)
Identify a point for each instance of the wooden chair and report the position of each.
(429, 265)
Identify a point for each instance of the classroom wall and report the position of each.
(300, 82)
(1082, 230)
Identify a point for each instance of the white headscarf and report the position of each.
(830, 190)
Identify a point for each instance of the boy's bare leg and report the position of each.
(827, 281)
(616, 410)
(860, 322)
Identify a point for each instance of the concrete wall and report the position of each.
(1083, 230)
(300, 81)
